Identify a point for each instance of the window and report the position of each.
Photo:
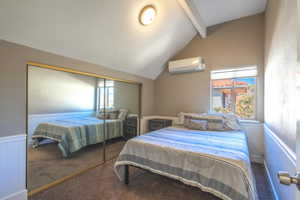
(106, 95)
(234, 91)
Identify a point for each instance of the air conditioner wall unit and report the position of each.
(186, 65)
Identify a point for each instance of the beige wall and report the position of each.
(280, 69)
(13, 60)
(233, 44)
(126, 97)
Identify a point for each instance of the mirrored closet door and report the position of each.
(122, 111)
(65, 137)
(76, 121)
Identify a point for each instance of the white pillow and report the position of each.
(122, 114)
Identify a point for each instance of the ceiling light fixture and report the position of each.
(147, 15)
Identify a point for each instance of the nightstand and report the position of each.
(156, 124)
(130, 127)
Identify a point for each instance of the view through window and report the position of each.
(109, 97)
(106, 95)
(234, 91)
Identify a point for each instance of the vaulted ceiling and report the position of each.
(108, 32)
(215, 11)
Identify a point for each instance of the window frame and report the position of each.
(108, 97)
(104, 90)
(255, 93)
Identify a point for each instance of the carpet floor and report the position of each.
(102, 184)
(46, 164)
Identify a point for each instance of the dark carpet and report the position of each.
(101, 183)
(46, 164)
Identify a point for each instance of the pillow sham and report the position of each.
(182, 115)
(102, 115)
(196, 124)
(211, 123)
(113, 115)
(231, 121)
(215, 121)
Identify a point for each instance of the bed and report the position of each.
(75, 133)
(214, 161)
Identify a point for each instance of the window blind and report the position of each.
(234, 73)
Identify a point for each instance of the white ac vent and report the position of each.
(186, 65)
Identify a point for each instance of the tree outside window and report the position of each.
(234, 95)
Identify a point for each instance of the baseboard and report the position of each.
(21, 195)
(274, 192)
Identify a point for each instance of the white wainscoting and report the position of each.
(35, 120)
(279, 157)
(255, 134)
(13, 167)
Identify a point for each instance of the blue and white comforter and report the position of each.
(216, 162)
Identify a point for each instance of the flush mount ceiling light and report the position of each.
(147, 15)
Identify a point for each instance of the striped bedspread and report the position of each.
(216, 162)
(72, 134)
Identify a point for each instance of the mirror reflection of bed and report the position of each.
(122, 99)
(75, 122)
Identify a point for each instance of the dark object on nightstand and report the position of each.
(130, 127)
(156, 124)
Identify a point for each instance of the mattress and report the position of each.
(74, 133)
(216, 162)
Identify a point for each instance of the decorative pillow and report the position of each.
(102, 115)
(182, 115)
(113, 115)
(231, 121)
(213, 116)
(186, 121)
(122, 114)
(214, 123)
(196, 124)
(188, 118)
